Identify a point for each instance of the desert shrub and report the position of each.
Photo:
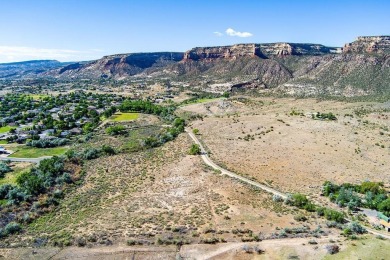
(80, 241)
(212, 240)
(4, 189)
(347, 197)
(40, 179)
(108, 150)
(277, 198)
(116, 130)
(247, 249)
(4, 168)
(300, 201)
(195, 131)
(90, 153)
(12, 228)
(47, 143)
(16, 195)
(31, 183)
(195, 149)
(372, 201)
(334, 215)
(384, 207)
(374, 187)
(325, 116)
(258, 250)
(300, 217)
(332, 249)
(329, 188)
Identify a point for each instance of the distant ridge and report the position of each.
(361, 67)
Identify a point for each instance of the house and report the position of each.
(385, 224)
(64, 133)
(384, 221)
(54, 110)
(382, 216)
(3, 150)
(75, 131)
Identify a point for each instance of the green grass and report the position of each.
(205, 100)
(10, 177)
(5, 129)
(37, 96)
(32, 152)
(201, 100)
(120, 117)
(370, 248)
(3, 142)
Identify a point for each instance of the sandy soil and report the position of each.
(296, 153)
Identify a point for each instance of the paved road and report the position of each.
(15, 159)
(209, 162)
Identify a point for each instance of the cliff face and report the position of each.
(286, 49)
(369, 44)
(227, 52)
(265, 50)
(117, 66)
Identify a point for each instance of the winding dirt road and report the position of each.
(209, 162)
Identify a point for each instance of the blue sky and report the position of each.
(69, 30)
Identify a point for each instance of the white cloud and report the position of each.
(232, 32)
(219, 34)
(19, 53)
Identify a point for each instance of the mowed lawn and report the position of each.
(32, 152)
(38, 96)
(120, 117)
(5, 129)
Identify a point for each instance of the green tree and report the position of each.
(384, 207)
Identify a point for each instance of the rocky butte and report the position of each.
(369, 44)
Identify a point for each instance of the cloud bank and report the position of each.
(232, 32)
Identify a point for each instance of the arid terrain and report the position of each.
(245, 151)
(260, 138)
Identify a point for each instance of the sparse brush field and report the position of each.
(280, 143)
(133, 195)
(164, 196)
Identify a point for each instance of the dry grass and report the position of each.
(297, 153)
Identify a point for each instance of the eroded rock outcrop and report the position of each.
(369, 44)
(263, 50)
(227, 52)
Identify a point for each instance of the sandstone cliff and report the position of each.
(118, 66)
(227, 52)
(369, 44)
(264, 50)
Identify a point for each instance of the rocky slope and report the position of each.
(117, 66)
(369, 44)
(264, 50)
(27, 69)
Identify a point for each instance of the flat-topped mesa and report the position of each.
(368, 44)
(262, 50)
(286, 49)
(225, 52)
